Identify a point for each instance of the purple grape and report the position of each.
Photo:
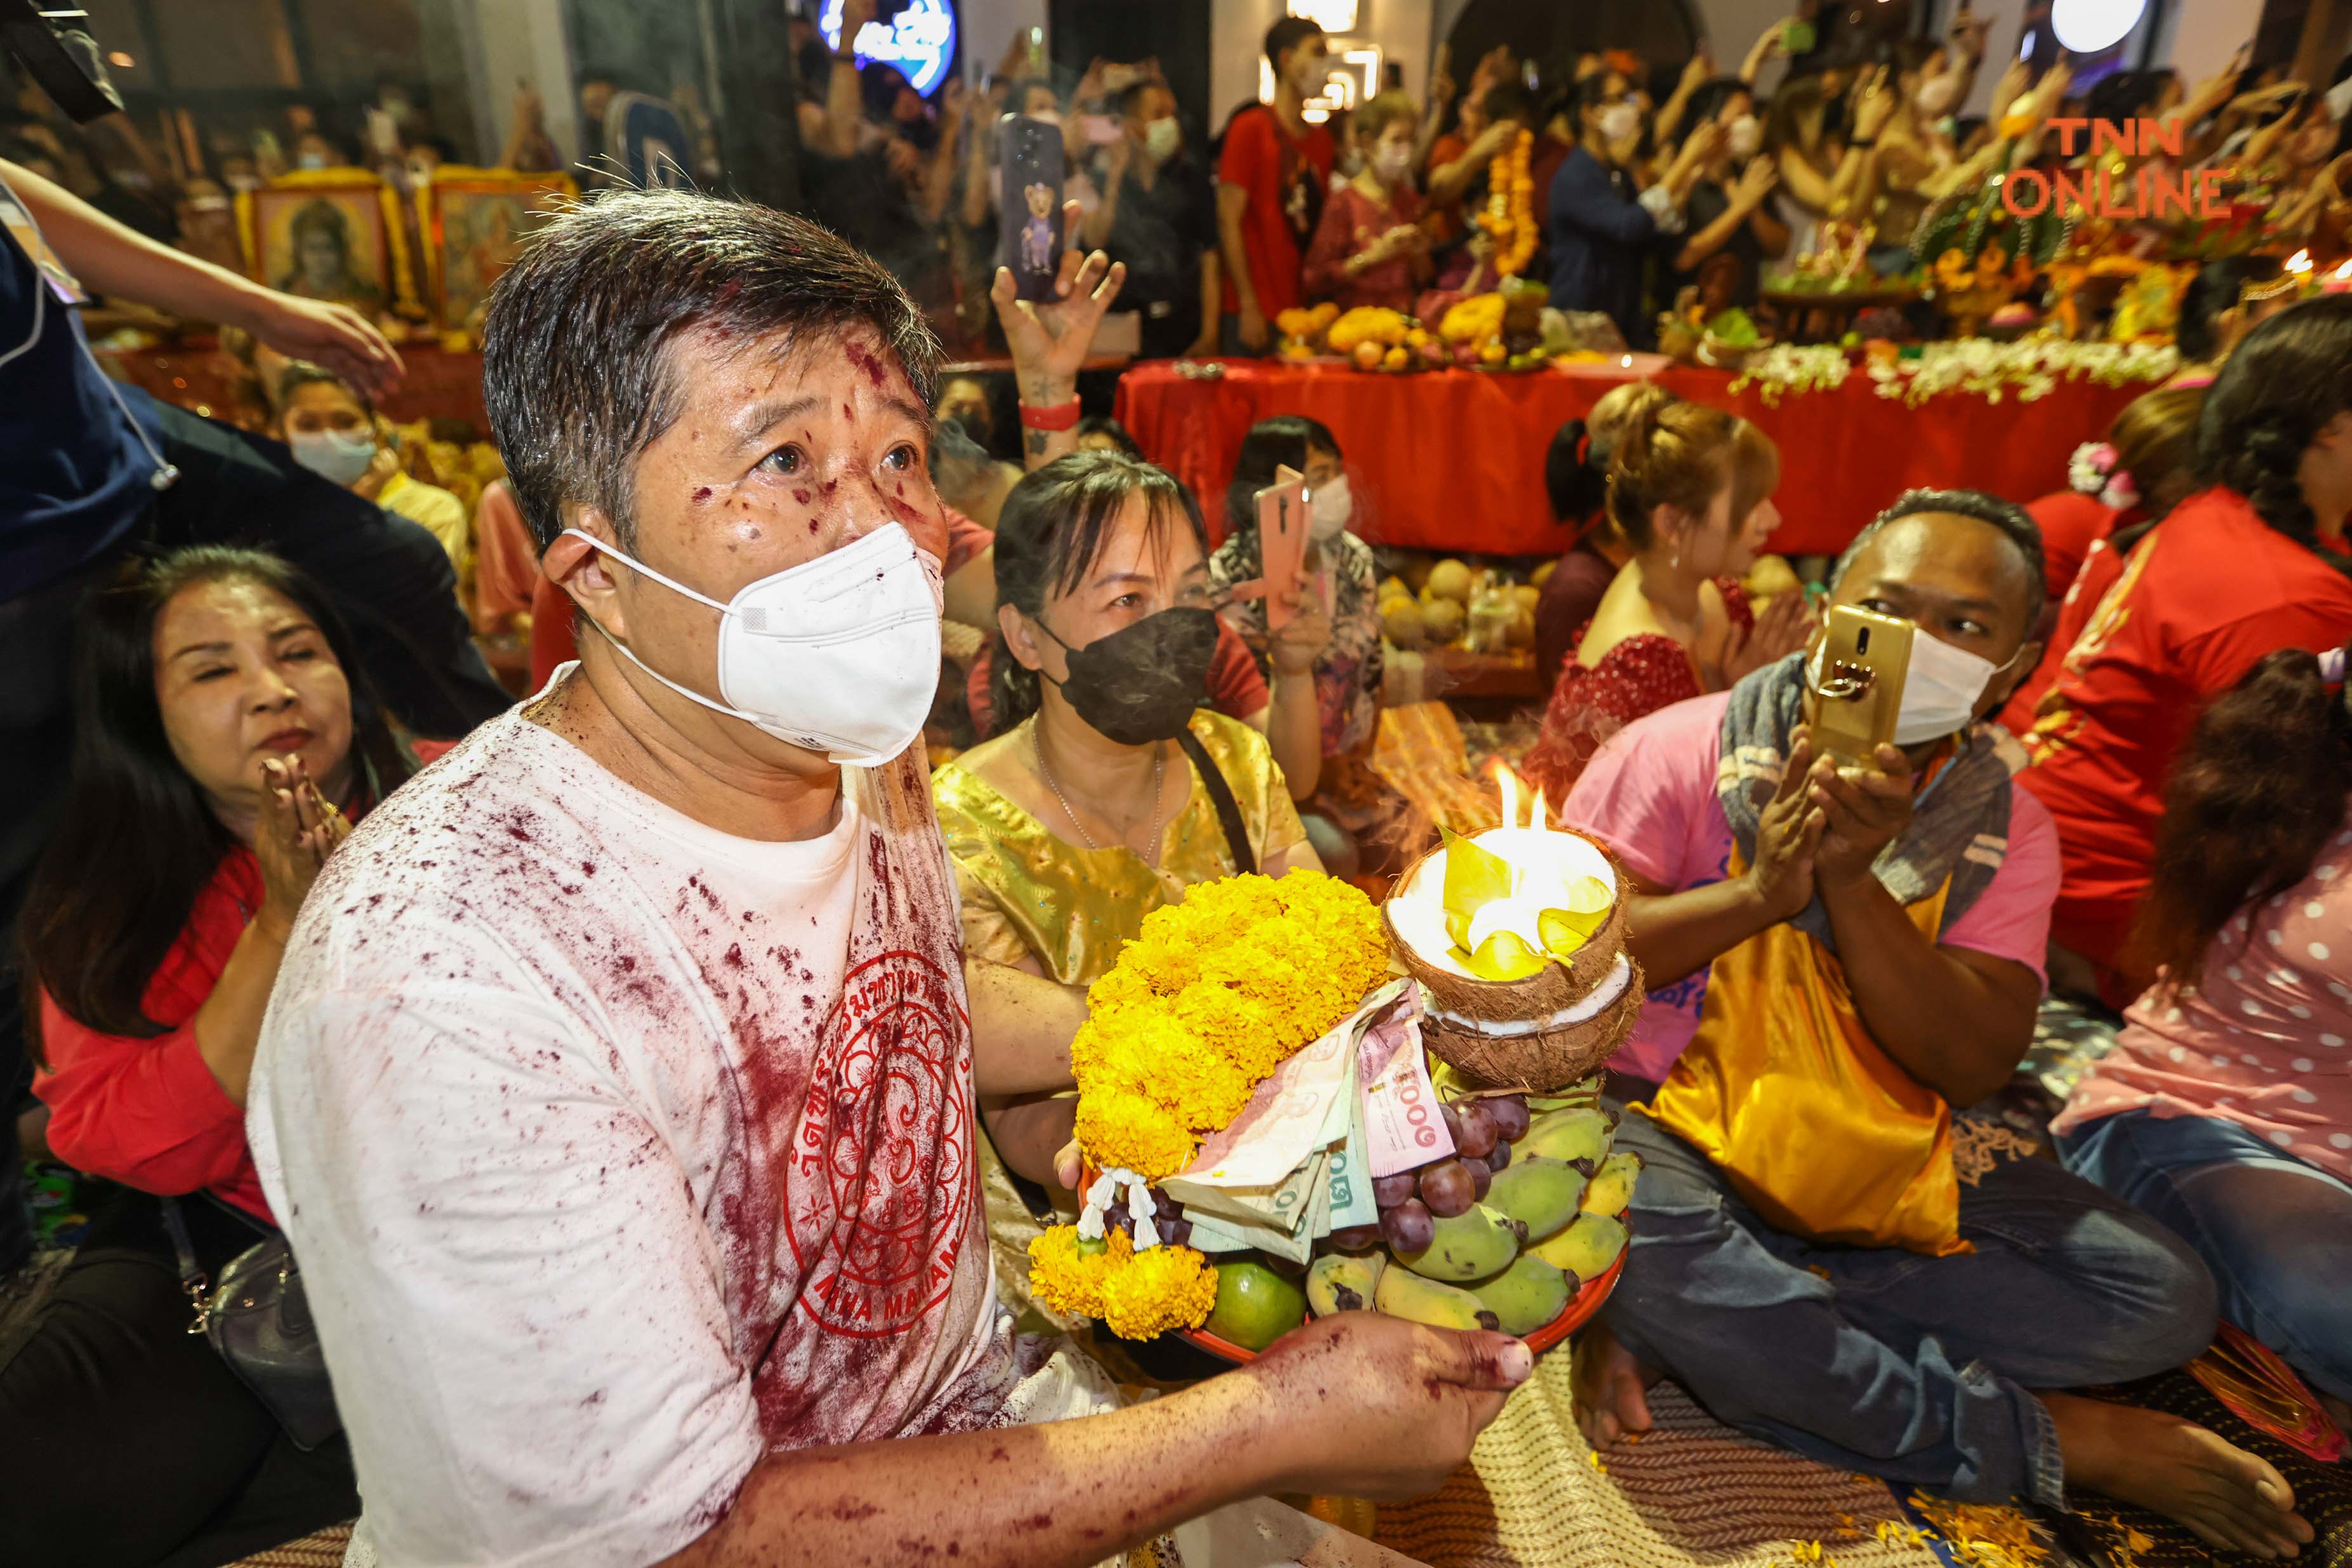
(1500, 1157)
(1474, 1136)
(1448, 1188)
(1409, 1227)
(1453, 1119)
(1117, 1217)
(1509, 1115)
(1283, 1266)
(1356, 1237)
(1388, 1191)
(1175, 1231)
(1481, 1176)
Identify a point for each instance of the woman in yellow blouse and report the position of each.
(1100, 804)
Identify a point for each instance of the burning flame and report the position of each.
(2344, 271)
(2299, 262)
(1510, 789)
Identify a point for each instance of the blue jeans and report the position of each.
(1915, 1369)
(2275, 1230)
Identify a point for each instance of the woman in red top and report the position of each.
(2147, 467)
(1690, 489)
(1368, 250)
(225, 741)
(2243, 570)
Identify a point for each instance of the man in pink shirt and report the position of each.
(1900, 912)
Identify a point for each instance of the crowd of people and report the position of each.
(638, 1074)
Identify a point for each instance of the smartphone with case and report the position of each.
(1029, 222)
(1859, 692)
(1282, 528)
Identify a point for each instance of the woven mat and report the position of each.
(324, 1550)
(1692, 1491)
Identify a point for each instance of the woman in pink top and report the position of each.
(1368, 250)
(2225, 1109)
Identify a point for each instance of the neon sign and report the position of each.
(919, 40)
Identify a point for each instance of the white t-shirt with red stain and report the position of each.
(618, 1151)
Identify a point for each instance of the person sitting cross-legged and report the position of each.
(1842, 954)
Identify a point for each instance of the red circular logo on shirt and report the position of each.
(880, 1173)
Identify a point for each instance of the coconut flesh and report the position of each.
(1543, 866)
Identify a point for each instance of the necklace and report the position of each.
(1158, 794)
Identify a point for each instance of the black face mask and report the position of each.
(1140, 683)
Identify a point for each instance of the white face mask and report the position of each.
(1940, 690)
(1391, 164)
(1328, 509)
(1619, 122)
(1161, 138)
(839, 655)
(1746, 136)
(333, 455)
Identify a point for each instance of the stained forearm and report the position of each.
(1945, 1023)
(1004, 1498)
(1022, 1026)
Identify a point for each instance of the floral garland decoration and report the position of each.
(1213, 995)
(1509, 216)
(2033, 367)
(1785, 368)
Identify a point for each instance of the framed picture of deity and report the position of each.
(474, 222)
(328, 234)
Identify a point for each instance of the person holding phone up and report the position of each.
(1848, 952)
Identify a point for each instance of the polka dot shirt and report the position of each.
(2265, 1041)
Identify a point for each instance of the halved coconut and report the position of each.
(1550, 863)
(1539, 1055)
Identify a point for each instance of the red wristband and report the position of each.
(1063, 418)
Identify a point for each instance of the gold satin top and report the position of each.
(1029, 894)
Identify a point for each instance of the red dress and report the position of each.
(1593, 702)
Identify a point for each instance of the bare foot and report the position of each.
(2232, 1499)
(1611, 1387)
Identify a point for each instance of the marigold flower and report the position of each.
(1120, 1128)
(1067, 1274)
(1155, 1290)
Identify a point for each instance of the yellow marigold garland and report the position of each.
(1509, 216)
(1213, 995)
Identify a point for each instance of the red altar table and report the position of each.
(1453, 460)
(441, 383)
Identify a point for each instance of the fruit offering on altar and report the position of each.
(1377, 339)
(1475, 611)
(1304, 331)
(1518, 937)
(1499, 332)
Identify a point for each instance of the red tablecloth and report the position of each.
(1453, 460)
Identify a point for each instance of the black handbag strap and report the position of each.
(192, 1273)
(1221, 796)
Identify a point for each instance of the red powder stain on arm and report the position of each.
(701, 494)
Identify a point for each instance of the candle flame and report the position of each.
(2299, 262)
(1522, 804)
(2345, 270)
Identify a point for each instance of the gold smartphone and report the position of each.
(1864, 657)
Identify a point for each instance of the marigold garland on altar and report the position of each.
(1213, 995)
(1509, 216)
(2032, 368)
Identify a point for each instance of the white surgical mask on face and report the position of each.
(1163, 137)
(1746, 136)
(1328, 509)
(333, 455)
(839, 655)
(1391, 164)
(1940, 689)
(1619, 122)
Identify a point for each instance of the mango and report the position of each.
(1469, 1246)
(1526, 1295)
(1586, 1248)
(1579, 1132)
(1256, 1306)
(1542, 1193)
(1612, 1187)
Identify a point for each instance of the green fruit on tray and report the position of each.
(1541, 1193)
(1468, 1246)
(1256, 1306)
(1586, 1248)
(1405, 1294)
(1337, 1282)
(1526, 1295)
(1582, 1133)
(1612, 1187)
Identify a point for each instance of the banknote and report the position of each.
(1352, 1203)
(1403, 1129)
(1284, 1222)
(1296, 1110)
(1282, 1206)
